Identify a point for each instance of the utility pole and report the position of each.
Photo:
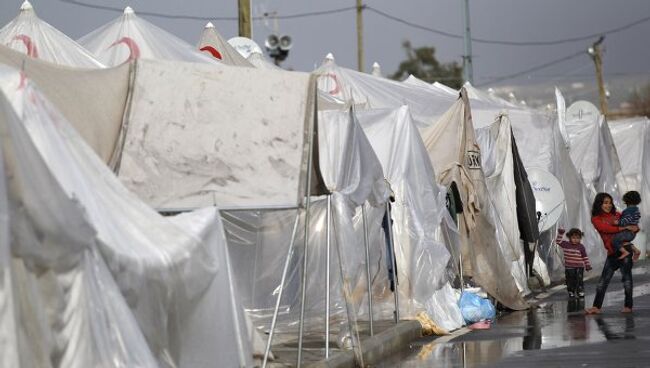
(360, 35)
(596, 54)
(467, 39)
(245, 25)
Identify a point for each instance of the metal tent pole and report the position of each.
(279, 298)
(327, 276)
(310, 163)
(367, 246)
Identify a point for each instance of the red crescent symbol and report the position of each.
(212, 51)
(134, 50)
(337, 87)
(29, 45)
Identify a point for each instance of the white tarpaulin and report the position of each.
(130, 37)
(93, 101)
(420, 219)
(223, 135)
(494, 136)
(497, 162)
(30, 35)
(632, 139)
(370, 92)
(98, 278)
(259, 239)
(211, 43)
(542, 145)
(592, 150)
(456, 157)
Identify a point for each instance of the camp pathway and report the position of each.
(556, 333)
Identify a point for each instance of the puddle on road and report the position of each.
(555, 325)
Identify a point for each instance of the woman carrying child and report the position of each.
(605, 220)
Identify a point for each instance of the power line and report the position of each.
(509, 43)
(378, 12)
(536, 68)
(209, 18)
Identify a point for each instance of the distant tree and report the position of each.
(640, 101)
(422, 63)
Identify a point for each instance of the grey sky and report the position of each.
(513, 20)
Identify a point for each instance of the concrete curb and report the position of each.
(377, 347)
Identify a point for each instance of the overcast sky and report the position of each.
(511, 20)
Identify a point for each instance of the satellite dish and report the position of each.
(245, 46)
(549, 197)
(582, 111)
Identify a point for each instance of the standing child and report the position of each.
(575, 261)
(629, 216)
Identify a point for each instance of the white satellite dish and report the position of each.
(549, 197)
(245, 46)
(582, 111)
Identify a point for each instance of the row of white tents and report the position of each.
(283, 181)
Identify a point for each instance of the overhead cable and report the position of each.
(209, 18)
(536, 68)
(510, 43)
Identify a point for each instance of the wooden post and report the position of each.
(245, 25)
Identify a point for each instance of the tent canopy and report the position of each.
(29, 34)
(456, 157)
(93, 276)
(632, 139)
(370, 92)
(130, 37)
(214, 45)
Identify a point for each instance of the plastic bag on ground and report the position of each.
(475, 309)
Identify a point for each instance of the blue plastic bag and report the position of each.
(474, 308)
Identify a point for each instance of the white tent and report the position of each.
(212, 147)
(370, 92)
(592, 149)
(422, 224)
(213, 44)
(632, 139)
(456, 157)
(542, 145)
(29, 34)
(97, 278)
(130, 37)
(494, 137)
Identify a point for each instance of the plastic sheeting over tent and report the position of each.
(29, 34)
(263, 242)
(130, 37)
(592, 150)
(241, 154)
(497, 161)
(632, 139)
(456, 157)
(370, 92)
(542, 145)
(421, 224)
(84, 286)
(82, 96)
(213, 44)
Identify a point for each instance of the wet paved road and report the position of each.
(555, 334)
